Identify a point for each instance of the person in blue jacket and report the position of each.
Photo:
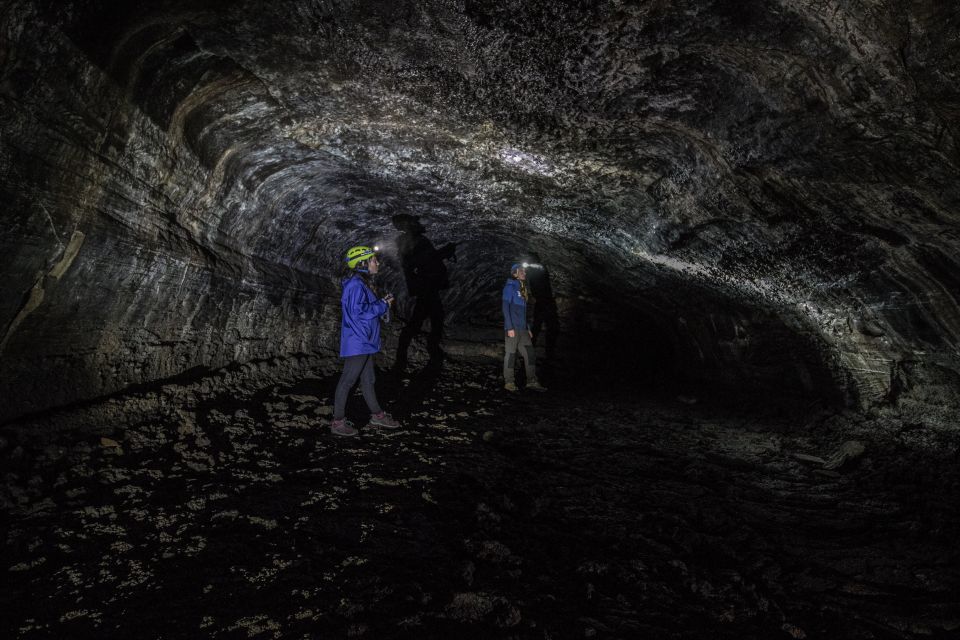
(517, 331)
(360, 340)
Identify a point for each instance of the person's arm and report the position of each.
(507, 304)
(448, 251)
(359, 307)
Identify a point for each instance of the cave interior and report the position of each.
(748, 216)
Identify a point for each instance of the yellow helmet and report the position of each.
(356, 255)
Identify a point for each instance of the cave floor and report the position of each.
(571, 514)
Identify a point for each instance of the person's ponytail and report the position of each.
(367, 278)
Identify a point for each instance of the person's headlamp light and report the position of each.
(531, 265)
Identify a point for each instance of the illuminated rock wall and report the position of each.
(767, 193)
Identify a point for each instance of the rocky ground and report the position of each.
(222, 507)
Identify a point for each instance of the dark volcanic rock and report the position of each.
(749, 208)
(770, 189)
(234, 512)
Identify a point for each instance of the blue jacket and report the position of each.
(514, 306)
(360, 327)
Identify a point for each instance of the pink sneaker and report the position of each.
(383, 419)
(342, 427)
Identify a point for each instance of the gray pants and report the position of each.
(521, 342)
(356, 367)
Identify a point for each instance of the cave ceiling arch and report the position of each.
(794, 157)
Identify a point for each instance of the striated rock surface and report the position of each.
(751, 195)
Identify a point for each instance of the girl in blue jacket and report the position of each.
(517, 332)
(360, 340)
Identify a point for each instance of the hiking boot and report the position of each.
(510, 386)
(383, 419)
(342, 427)
(536, 386)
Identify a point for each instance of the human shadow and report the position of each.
(545, 323)
(426, 276)
(409, 395)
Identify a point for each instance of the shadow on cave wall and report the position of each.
(699, 349)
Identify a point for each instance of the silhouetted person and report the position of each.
(426, 276)
(545, 317)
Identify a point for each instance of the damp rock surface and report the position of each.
(748, 209)
(766, 193)
(581, 512)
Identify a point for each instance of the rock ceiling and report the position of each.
(181, 178)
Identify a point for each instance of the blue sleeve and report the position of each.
(357, 307)
(507, 302)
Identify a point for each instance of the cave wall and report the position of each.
(772, 185)
(120, 262)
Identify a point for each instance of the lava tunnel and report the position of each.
(653, 311)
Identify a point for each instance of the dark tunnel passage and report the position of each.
(740, 226)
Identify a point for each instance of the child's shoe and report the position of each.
(383, 419)
(342, 427)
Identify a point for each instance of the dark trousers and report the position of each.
(520, 342)
(426, 306)
(356, 367)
